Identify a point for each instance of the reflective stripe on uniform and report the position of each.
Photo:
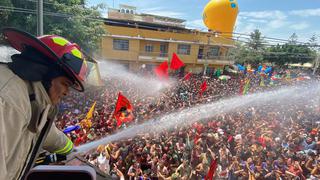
(66, 149)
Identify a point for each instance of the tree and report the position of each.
(293, 39)
(68, 18)
(313, 40)
(289, 53)
(256, 41)
(4, 14)
(250, 52)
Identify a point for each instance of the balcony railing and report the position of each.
(215, 60)
(153, 54)
(203, 57)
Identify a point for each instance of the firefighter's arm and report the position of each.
(3, 142)
(57, 142)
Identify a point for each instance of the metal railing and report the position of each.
(202, 57)
(153, 54)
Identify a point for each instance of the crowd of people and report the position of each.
(270, 142)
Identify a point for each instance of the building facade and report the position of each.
(144, 40)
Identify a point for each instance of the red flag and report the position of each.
(162, 70)
(203, 87)
(123, 110)
(176, 63)
(187, 76)
(212, 170)
(196, 138)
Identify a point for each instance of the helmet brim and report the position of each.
(19, 40)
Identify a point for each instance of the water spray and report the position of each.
(284, 96)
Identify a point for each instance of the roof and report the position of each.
(127, 6)
(164, 17)
(143, 25)
(168, 40)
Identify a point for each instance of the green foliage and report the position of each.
(4, 15)
(254, 52)
(67, 18)
(256, 41)
(251, 52)
(293, 39)
(289, 53)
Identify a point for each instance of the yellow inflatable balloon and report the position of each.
(221, 15)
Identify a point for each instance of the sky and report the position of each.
(274, 18)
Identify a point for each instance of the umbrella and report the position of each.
(275, 77)
(71, 128)
(224, 77)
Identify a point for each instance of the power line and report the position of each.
(271, 38)
(281, 54)
(31, 11)
(63, 15)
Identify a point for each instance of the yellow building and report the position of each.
(135, 39)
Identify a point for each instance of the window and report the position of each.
(163, 50)
(121, 44)
(127, 11)
(148, 48)
(150, 67)
(184, 49)
(122, 11)
(200, 53)
(213, 52)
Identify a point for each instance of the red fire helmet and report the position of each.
(60, 51)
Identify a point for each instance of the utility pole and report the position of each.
(206, 56)
(40, 18)
(316, 64)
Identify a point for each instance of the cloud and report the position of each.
(277, 23)
(300, 26)
(257, 20)
(264, 19)
(161, 11)
(264, 14)
(246, 28)
(196, 24)
(306, 12)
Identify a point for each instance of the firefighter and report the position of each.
(31, 87)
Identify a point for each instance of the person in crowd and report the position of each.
(252, 142)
